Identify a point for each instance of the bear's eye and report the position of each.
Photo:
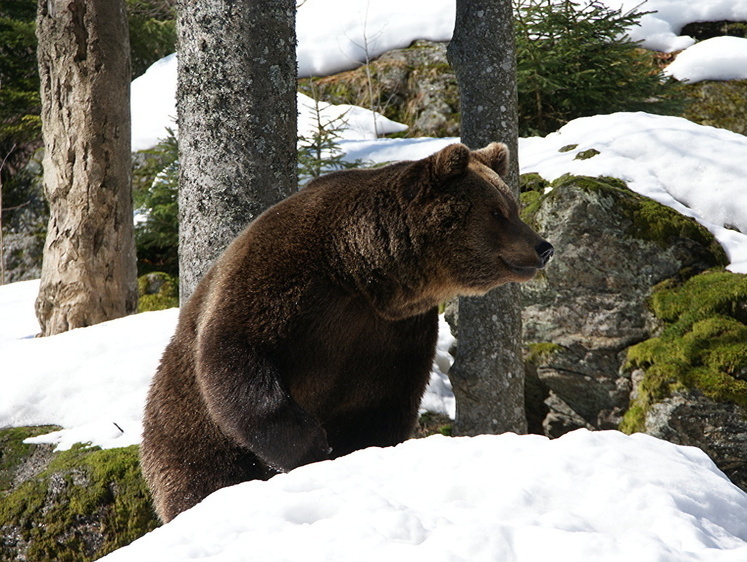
(498, 213)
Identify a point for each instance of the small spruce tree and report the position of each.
(320, 152)
(575, 59)
(155, 187)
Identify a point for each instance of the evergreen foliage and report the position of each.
(320, 153)
(155, 184)
(575, 60)
(152, 32)
(157, 291)
(19, 80)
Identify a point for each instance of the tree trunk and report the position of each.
(237, 122)
(89, 269)
(488, 372)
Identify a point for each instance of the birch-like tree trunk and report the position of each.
(89, 269)
(236, 105)
(488, 372)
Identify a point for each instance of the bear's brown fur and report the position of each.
(313, 334)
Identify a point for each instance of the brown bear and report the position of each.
(314, 333)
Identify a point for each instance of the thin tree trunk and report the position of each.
(237, 122)
(488, 373)
(89, 269)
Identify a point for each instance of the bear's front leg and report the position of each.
(248, 400)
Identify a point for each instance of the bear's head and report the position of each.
(468, 220)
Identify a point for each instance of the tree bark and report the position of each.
(237, 122)
(89, 270)
(488, 372)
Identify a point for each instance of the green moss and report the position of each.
(703, 344)
(533, 182)
(157, 291)
(586, 154)
(538, 352)
(81, 488)
(649, 220)
(13, 451)
(531, 201)
(606, 184)
(568, 148)
(431, 423)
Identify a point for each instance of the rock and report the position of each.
(589, 306)
(415, 86)
(690, 379)
(74, 505)
(157, 291)
(718, 104)
(718, 428)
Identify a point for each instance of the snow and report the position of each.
(718, 58)
(351, 121)
(659, 31)
(363, 29)
(93, 381)
(599, 496)
(586, 496)
(698, 171)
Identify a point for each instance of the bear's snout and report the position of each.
(545, 251)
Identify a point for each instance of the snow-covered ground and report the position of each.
(586, 496)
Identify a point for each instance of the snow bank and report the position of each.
(91, 381)
(350, 121)
(659, 31)
(586, 496)
(698, 171)
(336, 35)
(719, 58)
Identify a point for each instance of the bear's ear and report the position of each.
(495, 156)
(449, 162)
(423, 175)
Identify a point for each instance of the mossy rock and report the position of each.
(649, 220)
(17, 456)
(718, 104)
(702, 347)
(702, 30)
(432, 423)
(157, 291)
(539, 352)
(86, 503)
(415, 86)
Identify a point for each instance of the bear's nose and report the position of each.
(544, 251)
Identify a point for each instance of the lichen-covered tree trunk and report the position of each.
(488, 373)
(236, 104)
(89, 270)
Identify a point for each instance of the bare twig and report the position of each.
(2, 244)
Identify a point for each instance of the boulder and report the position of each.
(415, 86)
(690, 379)
(73, 505)
(589, 306)
(719, 428)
